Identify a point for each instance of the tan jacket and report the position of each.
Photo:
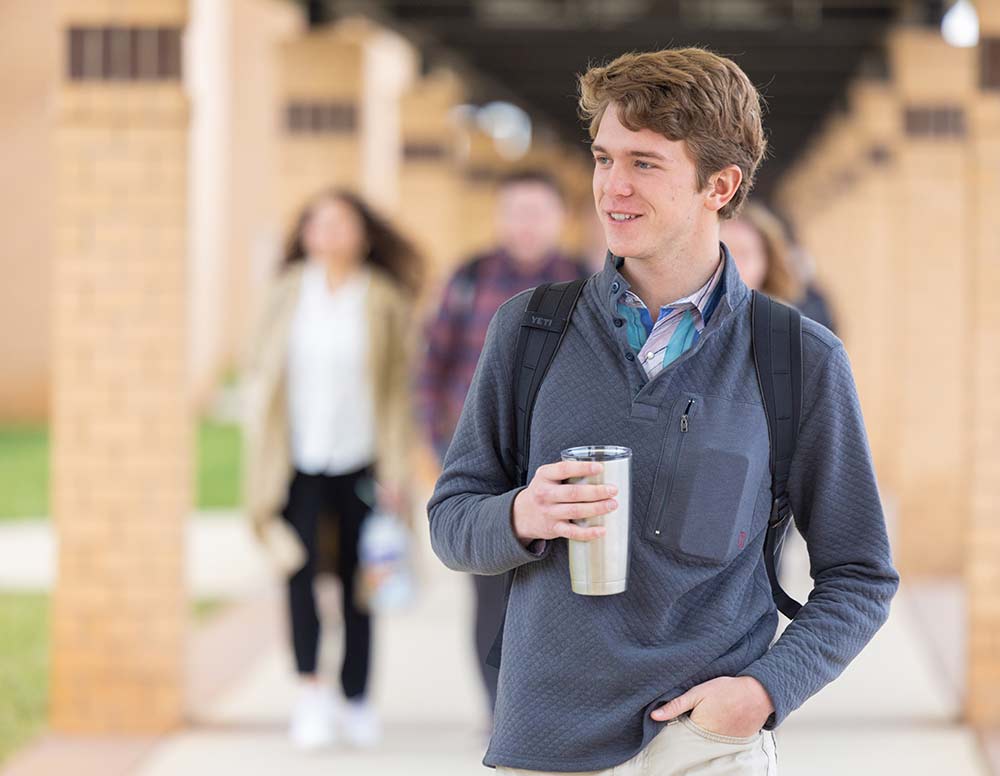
(268, 460)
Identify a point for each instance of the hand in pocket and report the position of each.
(736, 706)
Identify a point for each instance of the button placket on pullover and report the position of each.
(654, 390)
(633, 366)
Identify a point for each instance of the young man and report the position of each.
(529, 220)
(677, 674)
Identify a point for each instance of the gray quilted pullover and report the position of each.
(581, 674)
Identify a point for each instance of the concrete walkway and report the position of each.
(891, 710)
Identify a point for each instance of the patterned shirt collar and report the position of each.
(699, 300)
(610, 284)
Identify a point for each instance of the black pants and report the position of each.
(489, 613)
(311, 498)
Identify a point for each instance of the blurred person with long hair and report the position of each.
(765, 257)
(529, 218)
(814, 303)
(329, 417)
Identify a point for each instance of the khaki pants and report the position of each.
(682, 747)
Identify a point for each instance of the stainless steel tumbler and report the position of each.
(600, 567)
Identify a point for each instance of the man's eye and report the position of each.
(644, 165)
(601, 159)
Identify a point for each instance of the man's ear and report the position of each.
(722, 187)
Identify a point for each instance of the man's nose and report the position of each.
(617, 183)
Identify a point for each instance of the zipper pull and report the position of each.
(685, 424)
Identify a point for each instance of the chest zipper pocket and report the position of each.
(685, 425)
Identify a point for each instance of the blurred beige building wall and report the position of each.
(340, 88)
(430, 182)
(28, 39)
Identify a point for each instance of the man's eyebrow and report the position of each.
(637, 154)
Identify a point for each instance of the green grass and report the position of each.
(219, 465)
(24, 663)
(24, 471)
(24, 468)
(24, 656)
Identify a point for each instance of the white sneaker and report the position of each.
(314, 718)
(360, 724)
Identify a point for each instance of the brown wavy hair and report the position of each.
(782, 280)
(388, 249)
(684, 94)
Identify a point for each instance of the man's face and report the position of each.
(529, 220)
(645, 189)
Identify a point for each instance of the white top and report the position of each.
(331, 406)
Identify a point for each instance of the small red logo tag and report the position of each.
(743, 539)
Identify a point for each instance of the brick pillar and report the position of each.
(870, 325)
(430, 180)
(794, 193)
(934, 83)
(803, 194)
(983, 549)
(835, 249)
(808, 195)
(121, 431)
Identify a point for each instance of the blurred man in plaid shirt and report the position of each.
(529, 221)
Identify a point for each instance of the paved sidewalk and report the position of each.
(889, 711)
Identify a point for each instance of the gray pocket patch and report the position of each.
(710, 504)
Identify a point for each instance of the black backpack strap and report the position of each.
(777, 354)
(546, 319)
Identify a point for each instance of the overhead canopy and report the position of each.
(800, 53)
